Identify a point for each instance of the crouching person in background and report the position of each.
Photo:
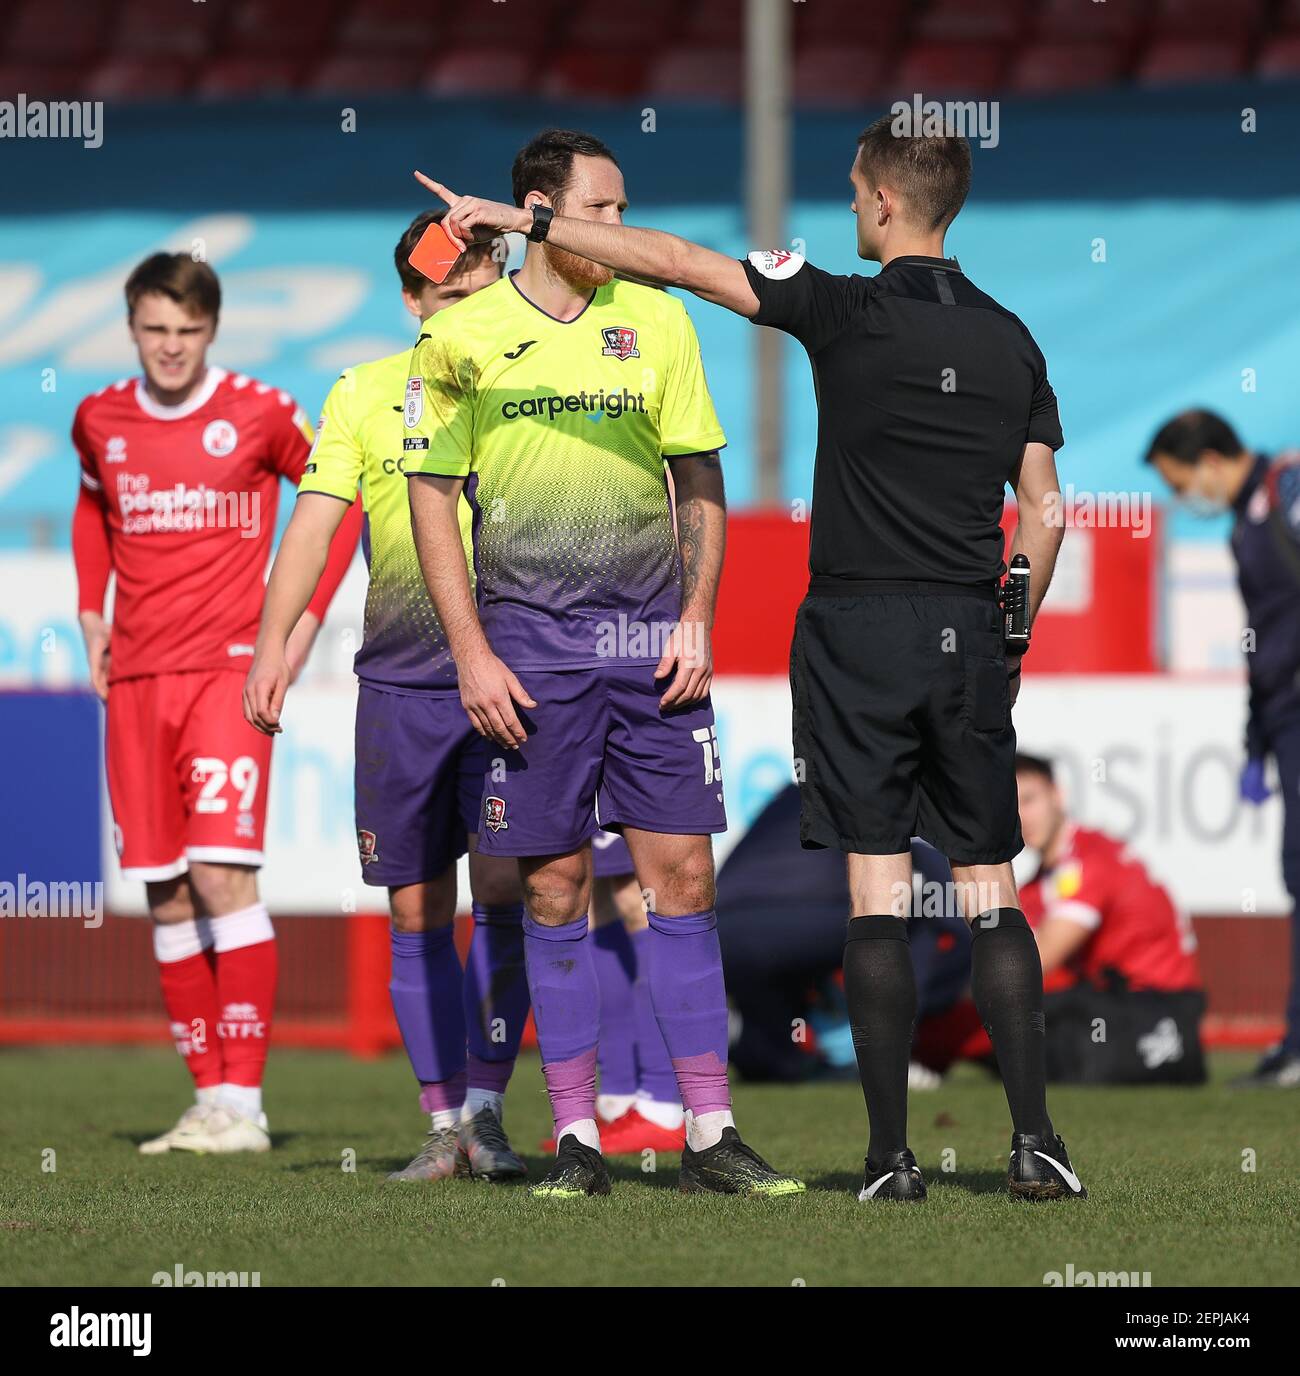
(1123, 995)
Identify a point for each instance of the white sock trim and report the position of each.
(612, 1106)
(706, 1130)
(246, 927)
(476, 1100)
(584, 1129)
(668, 1116)
(173, 941)
(244, 1099)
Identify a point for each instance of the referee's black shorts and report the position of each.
(902, 722)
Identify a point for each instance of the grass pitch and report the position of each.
(1197, 1187)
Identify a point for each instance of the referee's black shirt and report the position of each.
(927, 393)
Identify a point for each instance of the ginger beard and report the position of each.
(579, 273)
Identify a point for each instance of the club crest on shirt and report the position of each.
(366, 842)
(494, 814)
(620, 342)
(220, 438)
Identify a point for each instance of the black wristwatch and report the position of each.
(542, 217)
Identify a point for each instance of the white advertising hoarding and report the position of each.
(1151, 760)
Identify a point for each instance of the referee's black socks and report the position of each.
(880, 990)
(1007, 985)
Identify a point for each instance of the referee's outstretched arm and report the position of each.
(650, 254)
(1041, 528)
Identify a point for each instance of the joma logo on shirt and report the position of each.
(611, 404)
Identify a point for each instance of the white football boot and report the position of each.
(155, 1146)
(222, 1130)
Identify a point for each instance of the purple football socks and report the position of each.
(566, 1010)
(655, 1076)
(615, 962)
(683, 968)
(495, 995)
(426, 992)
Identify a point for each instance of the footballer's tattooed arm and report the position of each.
(701, 538)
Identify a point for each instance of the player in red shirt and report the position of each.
(180, 479)
(1116, 950)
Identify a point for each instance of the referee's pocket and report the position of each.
(988, 701)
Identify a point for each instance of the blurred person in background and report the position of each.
(180, 481)
(1123, 997)
(781, 923)
(419, 766)
(1205, 464)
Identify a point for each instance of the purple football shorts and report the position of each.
(601, 753)
(419, 779)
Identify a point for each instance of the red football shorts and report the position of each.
(187, 775)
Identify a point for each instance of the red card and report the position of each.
(435, 255)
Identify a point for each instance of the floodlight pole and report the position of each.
(767, 191)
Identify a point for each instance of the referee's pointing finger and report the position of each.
(437, 188)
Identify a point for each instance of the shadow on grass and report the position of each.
(973, 1182)
(134, 1137)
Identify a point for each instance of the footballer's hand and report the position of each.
(264, 689)
(300, 643)
(97, 634)
(489, 692)
(690, 652)
(469, 218)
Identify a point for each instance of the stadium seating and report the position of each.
(1207, 18)
(827, 23)
(58, 31)
(939, 69)
(1280, 57)
(846, 51)
(832, 77)
(235, 77)
(703, 75)
(1172, 60)
(965, 21)
(365, 76)
(1117, 21)
(1046, 67)
(479, 72)
(389, 26)
(138, 78)
(593, 74)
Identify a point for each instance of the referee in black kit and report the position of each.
(931, 398)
